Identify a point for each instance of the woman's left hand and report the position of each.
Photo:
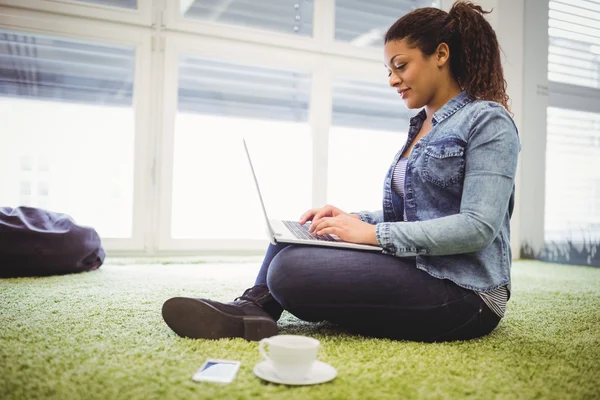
(347, 227)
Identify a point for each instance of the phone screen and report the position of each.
(217, 371)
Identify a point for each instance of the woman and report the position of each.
(444, 273)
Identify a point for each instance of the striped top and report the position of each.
(495, 299)
(398, 179)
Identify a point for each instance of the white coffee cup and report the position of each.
(292, 356)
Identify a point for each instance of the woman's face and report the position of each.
(411, 73)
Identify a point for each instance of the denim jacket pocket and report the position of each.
(444, 162)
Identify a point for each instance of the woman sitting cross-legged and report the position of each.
(444, 272)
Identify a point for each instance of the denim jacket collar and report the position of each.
(418, 119)
(447, 110)
(451, 107)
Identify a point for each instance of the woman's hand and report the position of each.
(332, 220)
(348, 228)
(316, 214)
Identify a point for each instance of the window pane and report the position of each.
(114, 3)
(370, 125)
(213, 191)
(364, 23)
(285, 16)
(67, 117)
(574, 42)
(572, 176)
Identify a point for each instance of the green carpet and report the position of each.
(100, 335)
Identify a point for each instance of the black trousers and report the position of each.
(373, 294)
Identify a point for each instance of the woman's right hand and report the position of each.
(316, 214)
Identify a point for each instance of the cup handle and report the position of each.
(261, 348)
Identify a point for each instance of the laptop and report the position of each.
(292, 232)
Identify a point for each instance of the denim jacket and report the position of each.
(459, 195)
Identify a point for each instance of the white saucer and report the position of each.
(320, 373)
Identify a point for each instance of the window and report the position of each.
(572, 205)
(369, 126)
(67, 115)
(364, 23)
(213, 192)
(572, 176)
(574, 35)
(284, 16)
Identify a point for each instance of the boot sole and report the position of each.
(195, 319)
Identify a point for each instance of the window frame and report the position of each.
(539, 94)
(27, 21)
(321, 42)
(140, 16)
(320, 67)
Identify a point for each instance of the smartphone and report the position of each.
(212, 370)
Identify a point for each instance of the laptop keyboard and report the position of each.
(301, 232)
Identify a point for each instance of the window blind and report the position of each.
(574, 42)
(368, 105)
(222, 88)
(572, 176)
(67, 70)
(572, 200)
(364, 23)
(285, 16)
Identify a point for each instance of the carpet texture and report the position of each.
(100, 335)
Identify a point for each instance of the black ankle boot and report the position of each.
(260, 296)
(251, 316)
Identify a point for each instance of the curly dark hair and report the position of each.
(474, 49)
